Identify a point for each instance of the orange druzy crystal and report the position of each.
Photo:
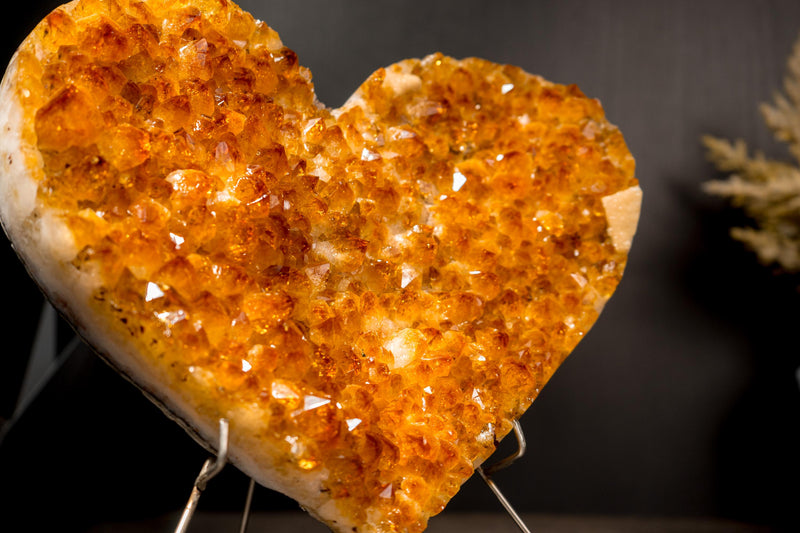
(374, 292)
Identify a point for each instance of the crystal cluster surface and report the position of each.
(383, 287)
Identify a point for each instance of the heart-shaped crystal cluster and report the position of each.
(370, 295)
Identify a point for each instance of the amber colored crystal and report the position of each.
(392, 282)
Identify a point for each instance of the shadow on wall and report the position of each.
(757, 447)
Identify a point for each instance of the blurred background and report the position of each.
(683, 401)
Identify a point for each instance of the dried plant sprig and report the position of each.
(783, 116)
(767, 190)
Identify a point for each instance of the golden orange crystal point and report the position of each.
(388, 285)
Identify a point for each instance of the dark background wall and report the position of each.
(682, 401)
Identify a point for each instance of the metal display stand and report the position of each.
(44, 363)
(213, 466)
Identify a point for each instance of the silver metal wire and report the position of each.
(504, 463)
(487, 472)
(247, 504)
(211, 468)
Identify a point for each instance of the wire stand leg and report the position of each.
(488, 471)
(211, 468)
(247, 504)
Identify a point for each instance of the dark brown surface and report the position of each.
(449, 522)
(682, 401)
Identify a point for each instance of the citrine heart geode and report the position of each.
(370, 294)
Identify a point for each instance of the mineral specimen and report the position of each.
(370, 294)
